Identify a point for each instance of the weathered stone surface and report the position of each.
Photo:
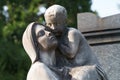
(102, 39)
(86, 20)
(111, 22)
(101, 31)
(109, 57)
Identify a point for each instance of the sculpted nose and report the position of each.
(49, 33)
(53, 27)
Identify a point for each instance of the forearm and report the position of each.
(69, 44)
(66, 50)
(63, 72)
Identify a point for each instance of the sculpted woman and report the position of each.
(40, 46)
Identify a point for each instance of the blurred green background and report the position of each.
(15, 15)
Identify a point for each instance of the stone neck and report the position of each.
(47, 57)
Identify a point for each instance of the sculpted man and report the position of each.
(73, 51)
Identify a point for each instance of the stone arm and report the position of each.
(69, 44)
(62, 72)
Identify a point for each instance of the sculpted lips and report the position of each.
(52, 38)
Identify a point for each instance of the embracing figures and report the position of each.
(58, 52)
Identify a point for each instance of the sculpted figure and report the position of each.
(40, 45)
(72, 50)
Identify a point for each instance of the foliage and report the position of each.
(14, 62)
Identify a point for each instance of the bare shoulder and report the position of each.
(73, 31)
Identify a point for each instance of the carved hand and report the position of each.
(63, 72)
(64, 46)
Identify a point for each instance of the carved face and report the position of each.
(57, 24)
(55, 17)
(46, 39)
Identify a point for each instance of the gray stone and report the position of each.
(105, 31)
(99, 30)
(58, 52)
(90, 22)
(86, 20)
(109, 57)
(111, 22)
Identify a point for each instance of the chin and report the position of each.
(53, 44)
(52, 47)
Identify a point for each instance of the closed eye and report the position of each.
(49, 24)
(41, 33)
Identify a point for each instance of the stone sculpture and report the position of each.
(36, 45)
(40, 45)
(71, 57)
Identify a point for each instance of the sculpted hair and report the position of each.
(35, 42)
(56, 10)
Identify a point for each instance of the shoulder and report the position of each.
(73, 31)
